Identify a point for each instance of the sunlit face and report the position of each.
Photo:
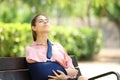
(42, 25)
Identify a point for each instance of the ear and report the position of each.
(33, 28)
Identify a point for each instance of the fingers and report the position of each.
(53, 77)
(55, 73)
(59, 71)
(58, 75)
(76, 71)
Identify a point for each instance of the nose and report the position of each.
(45, 21)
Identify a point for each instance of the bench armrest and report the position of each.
(106, 74)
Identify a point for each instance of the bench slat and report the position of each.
(18, 75)
(11, 63)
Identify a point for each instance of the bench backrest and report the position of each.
(15, 68)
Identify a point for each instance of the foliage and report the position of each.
(111, 8)
(24, 10)
(79, 41)
(14, 37)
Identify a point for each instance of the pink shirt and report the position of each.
(38, 52)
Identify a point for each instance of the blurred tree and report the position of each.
(109, 9)
(23, 10)
(7, 11)
(58, 8)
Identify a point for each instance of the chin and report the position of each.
(46, 31)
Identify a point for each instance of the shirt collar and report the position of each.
(35, 43)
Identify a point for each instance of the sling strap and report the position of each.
(49, 51)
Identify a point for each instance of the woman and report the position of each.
(37, 51)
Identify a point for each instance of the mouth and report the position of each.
(46, 25)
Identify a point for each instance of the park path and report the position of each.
(107, 60)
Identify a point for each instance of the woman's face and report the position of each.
(42, 25)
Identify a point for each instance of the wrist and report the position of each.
(69, 78)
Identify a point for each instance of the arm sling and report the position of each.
(41, 70)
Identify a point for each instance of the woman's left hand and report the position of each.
(72, 72)
(60, 76)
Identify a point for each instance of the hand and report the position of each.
(60, 76)
(82, 78)
(72, 72)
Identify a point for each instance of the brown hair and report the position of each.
(33, 24)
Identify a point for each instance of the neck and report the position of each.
(42, 39)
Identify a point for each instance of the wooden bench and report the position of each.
(15, 68)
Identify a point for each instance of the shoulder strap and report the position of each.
(49, 51)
